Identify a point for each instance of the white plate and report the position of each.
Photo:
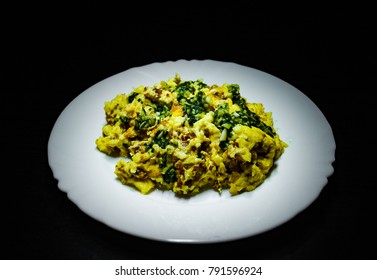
(87, 175)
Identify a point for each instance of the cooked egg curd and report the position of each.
(187, 136)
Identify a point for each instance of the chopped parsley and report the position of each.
(226, 120)
(192, 98)
(161, 138)
(144, 121)
(170, 175)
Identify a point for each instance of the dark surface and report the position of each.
(328, 58)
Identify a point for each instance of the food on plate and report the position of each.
(187, 137)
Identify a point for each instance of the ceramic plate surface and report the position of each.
(87, 175)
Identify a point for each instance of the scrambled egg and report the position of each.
(187, 136)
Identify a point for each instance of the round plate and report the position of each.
(87, 175)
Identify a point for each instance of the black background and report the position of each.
(57, 55)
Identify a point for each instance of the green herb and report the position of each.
(224, 120)
(194, 105)
(185, 88)
(161, 109)
(125, 120)
(132, 96)
(161, 138)
(144, 121)
(170, 175)
(164, 161)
